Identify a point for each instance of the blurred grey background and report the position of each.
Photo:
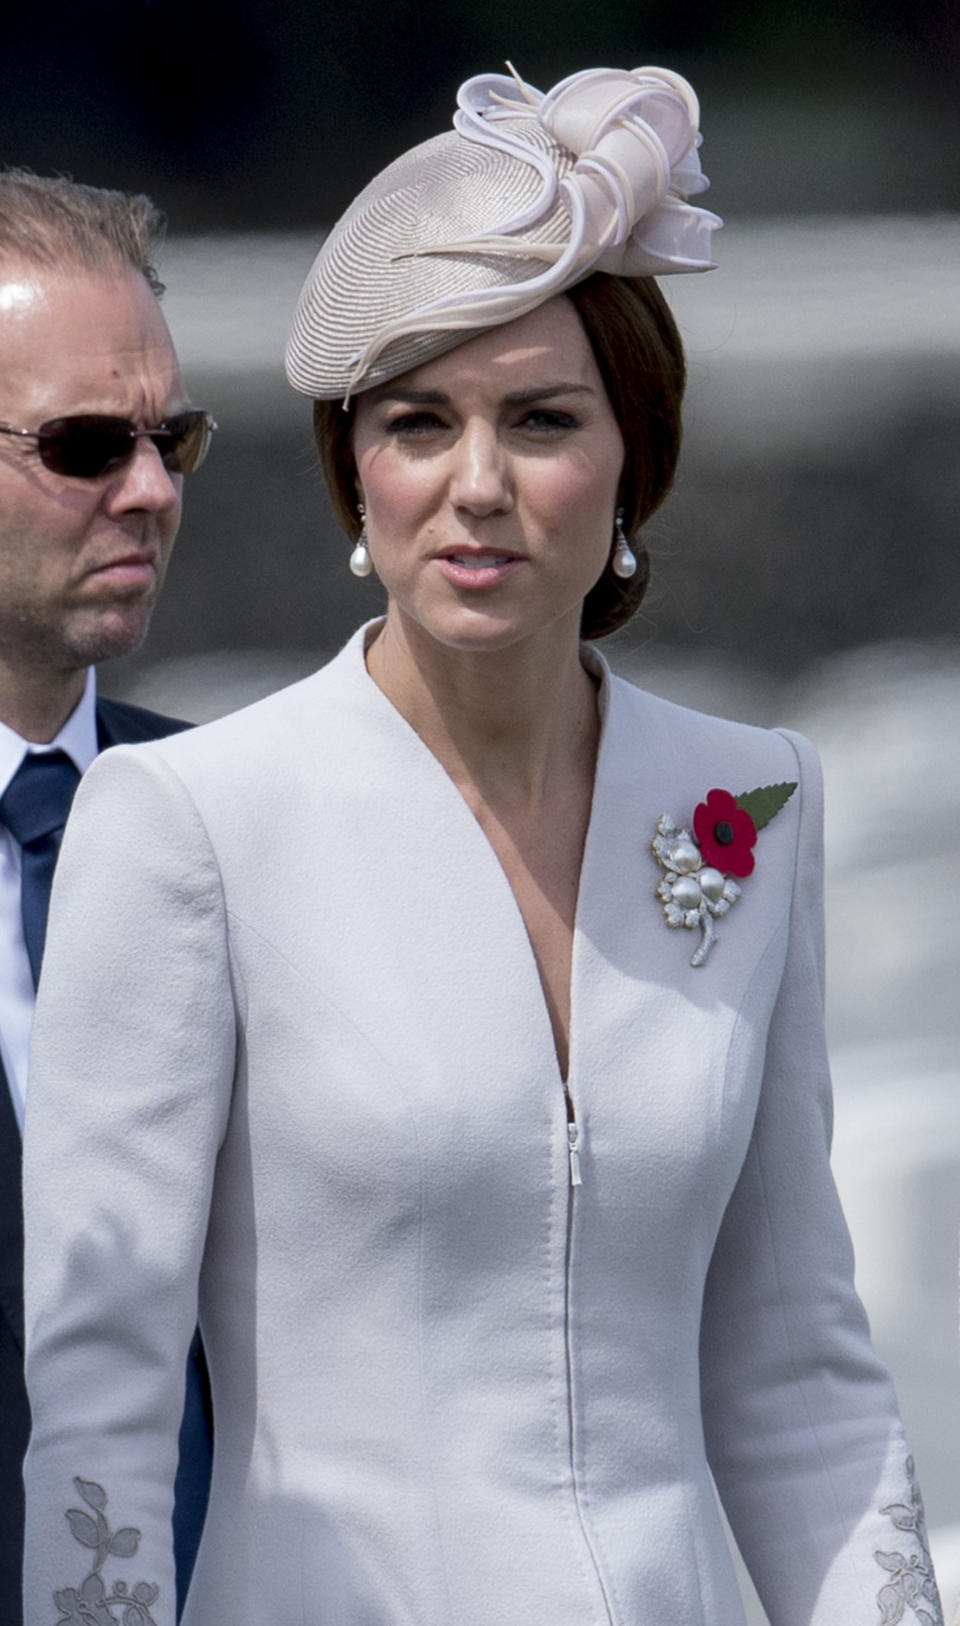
(806, 567)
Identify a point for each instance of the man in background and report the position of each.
(96, 433)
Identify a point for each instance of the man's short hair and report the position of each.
(53, 222)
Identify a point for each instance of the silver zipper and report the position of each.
(576, 1179)
(573, 1144)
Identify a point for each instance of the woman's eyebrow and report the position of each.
(412, 397)
(544, 392)
(537, 392)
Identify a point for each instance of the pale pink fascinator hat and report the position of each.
(526, 196)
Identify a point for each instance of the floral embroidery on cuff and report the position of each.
(912, 1584)
(90, 1604)
(698, 886)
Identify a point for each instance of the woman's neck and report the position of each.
(507, 723)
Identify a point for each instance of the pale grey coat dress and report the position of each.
(293, 1065)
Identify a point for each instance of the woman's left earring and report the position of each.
(360, 561)
(624, 559)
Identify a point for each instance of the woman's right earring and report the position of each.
(360, 561)
(624, 559)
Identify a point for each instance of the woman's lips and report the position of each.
(476, 570)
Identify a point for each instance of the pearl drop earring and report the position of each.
(360, 561)
(624, 559)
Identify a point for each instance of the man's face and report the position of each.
(82, 561)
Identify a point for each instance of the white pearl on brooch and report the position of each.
(711, 884)
(684, 857)
(686, 891)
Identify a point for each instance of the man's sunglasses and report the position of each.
(88, 446)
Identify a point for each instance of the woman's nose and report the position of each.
(480, 480)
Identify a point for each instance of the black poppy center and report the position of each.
(723, 833)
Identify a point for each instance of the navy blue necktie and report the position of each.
(34, 808)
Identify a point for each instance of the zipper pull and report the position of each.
(573, 1142)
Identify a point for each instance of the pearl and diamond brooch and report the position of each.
(698, 884)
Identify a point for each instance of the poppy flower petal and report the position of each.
(725, 833)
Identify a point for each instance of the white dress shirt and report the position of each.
(78, 738)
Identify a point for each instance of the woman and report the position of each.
(508, 1218)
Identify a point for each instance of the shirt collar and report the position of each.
(77, 737)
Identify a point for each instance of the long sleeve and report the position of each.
(801, 1423)
(132, 1069)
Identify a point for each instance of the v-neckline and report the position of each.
(596, 667)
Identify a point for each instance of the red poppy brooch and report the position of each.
(698, 884)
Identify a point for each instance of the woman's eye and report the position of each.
(414, 423)
(546, 419)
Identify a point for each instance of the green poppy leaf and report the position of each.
(764, 803)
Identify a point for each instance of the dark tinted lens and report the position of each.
(85, 447)
(183, 441)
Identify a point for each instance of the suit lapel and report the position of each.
(106, 730)
(120, 724)
(11, 1215)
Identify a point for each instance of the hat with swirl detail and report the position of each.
(527, 195)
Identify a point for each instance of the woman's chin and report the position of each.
(479, 629)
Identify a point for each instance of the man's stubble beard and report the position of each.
(78, 639)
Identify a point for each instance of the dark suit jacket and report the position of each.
(116, 724)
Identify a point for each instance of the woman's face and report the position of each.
(489, 479)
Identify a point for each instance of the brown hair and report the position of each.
(53, 222)
(640, 356)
